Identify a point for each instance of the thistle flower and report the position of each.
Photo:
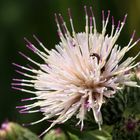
(80, 74)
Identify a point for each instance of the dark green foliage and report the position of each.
(113, 109)
(132, 99)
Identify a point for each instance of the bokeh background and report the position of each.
(23, 18)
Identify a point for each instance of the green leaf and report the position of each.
(73, 137)
(104, 134)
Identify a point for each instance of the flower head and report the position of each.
(78, 75)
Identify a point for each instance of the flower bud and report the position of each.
(56, 134)
(13, 131)
(127, 128)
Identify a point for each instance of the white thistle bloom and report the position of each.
(81, 72)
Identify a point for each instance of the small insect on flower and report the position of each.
(83, 71)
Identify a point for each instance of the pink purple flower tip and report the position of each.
(30, 46)
(27, 99)
(90, 21)
(30, 66)
(16, 88)
(133, 35)
(124, 20)
(61, 18)
(138, 41)
(23, 112)
(113, 23)
(19, 107)
(18, 80)
(16, 84)
(92, 14)
(108, 13)
(17, 65)
(119, 22)
(22, 73)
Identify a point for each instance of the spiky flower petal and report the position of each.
(81, 72)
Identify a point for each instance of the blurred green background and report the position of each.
(23, 18)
